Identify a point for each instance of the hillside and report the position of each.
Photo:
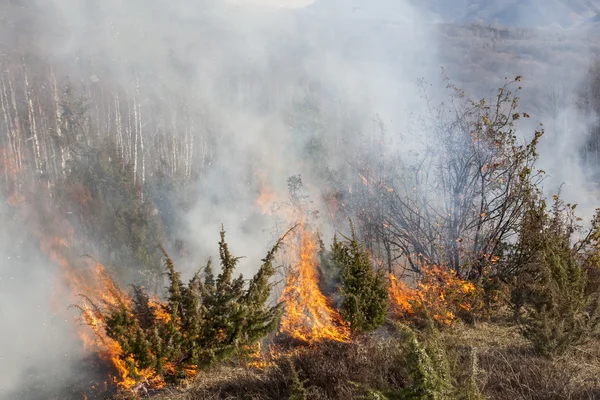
(518, 13)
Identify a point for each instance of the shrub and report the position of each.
(199, 323)
(298, 392)
(553, 285)
(428, 370)
(439, 295)
(364, 290)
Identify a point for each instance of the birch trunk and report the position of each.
(64, 155)
(32, 125)
(17, 127)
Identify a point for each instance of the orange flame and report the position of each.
(265, 199)
(308, 315)
(256, 359)
(439, 292)
(95, 285)
(160, 312)
(402, 297)
(89, 280)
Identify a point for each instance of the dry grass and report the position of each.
(510, 369)
(329, 371)
(518, 373)
(507, 368)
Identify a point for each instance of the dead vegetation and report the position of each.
(375, 367)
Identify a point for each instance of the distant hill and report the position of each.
(527, 13)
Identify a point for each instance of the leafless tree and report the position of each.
(461, 199)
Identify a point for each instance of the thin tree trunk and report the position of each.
(32, 125)
(64, 155)
(119, 127)
(17, 125)
(9, 132)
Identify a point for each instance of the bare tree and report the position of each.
(462, 198)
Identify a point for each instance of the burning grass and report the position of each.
(331, 370)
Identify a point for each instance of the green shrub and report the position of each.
(428, 368)
(364, 290)
(298, 392)
(553, 284)
(199, 323)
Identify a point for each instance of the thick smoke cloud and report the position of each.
(38, 342)
(246, 73)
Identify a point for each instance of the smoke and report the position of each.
(260, 85)
(37, 335)
(254, 95)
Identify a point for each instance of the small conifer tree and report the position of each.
(364, 290)
(428, 369)
(555, 286)
(297, 392)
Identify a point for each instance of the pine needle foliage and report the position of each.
(428, 368)
(198, 323)
(297, 391)
(553, 285)
(364, 289)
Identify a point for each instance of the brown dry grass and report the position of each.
(510, 369)
(329, 371)
(507, 368)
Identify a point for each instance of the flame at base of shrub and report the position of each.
(308, 315)
(108, 294)
(94, 285)
(439, 294)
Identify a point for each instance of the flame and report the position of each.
(105, 291)
(308, 315)
(256, 358)
(160, 312)
(402, 297)
(94, 284)
(86, 278)
(439, 292)
(266, 198)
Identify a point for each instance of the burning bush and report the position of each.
(209, 319)
(439, 295)
(456, 202)
(309, 316)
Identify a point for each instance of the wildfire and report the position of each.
(256, 358)
(94, 284)
(402, 297)
(439, 292)
(160, 313)
(87, 279)
(308, 315)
